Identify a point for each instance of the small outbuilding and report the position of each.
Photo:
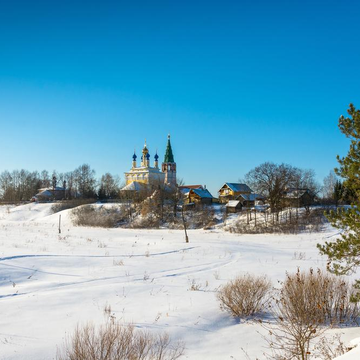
(250, 200)
(233, 206)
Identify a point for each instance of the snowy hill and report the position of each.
(50, 282)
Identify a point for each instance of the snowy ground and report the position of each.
(49, 282)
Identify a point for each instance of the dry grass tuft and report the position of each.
(116, 342)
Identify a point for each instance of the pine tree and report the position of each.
(350, 165)
(101, 193)
(338, 192)
(344, 252)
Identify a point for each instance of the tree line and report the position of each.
(22, 185)
(268, 179)
(274, 181)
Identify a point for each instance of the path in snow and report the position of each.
(49, 282)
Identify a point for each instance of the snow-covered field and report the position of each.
(50, 282)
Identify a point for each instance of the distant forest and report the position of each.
(22, 185)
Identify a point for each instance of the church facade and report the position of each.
(145, 175)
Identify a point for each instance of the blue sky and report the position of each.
(235, 83)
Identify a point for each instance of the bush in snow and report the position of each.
(318, 297)
(244, 296)
(201, 217)
(69, 204)
(89, 215)
(116, 342)
(307, 303)
(149, 221)
(328, 348)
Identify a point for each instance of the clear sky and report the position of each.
(235, 83)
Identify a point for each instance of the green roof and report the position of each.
(169, 157)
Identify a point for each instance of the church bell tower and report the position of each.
(169, 165)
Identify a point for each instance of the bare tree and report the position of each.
(329, 186)
(271, 180)
(69, 177)
(84, 181)
(45, 179)
(306, 179)
(109, 186)
(19, 185)
(6, 186)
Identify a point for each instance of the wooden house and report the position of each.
(250, 200)
(298, 197)
(50, 194)
(196, 195)
(186, 188)
(231, 191)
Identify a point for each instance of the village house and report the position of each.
(196, 194)
(50, 194)
(244, 201)
(250, 200)
(186, 188)
(231, 191)
(298, 197)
